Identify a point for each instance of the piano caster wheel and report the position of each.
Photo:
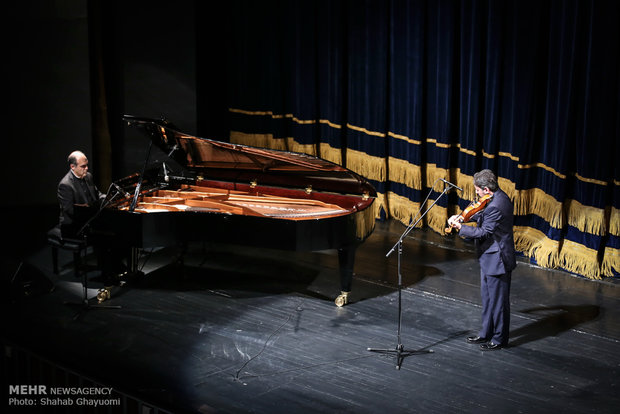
(103, 295)
(342, 299)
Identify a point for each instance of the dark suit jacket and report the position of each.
(71, 191)
(494, 235)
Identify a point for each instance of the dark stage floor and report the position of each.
(238, 330)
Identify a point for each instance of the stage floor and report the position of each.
(244, 330)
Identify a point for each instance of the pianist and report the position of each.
(76, 188)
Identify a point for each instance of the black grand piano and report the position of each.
(237, 194)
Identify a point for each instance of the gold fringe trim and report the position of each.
(546, 253)
(295, 146)
(614, 222)
(526, 239)
(536, 201)
(437, 217)
(508, 187)
(268, 141)
(405, 210)
(579, 259)
(379, 205)
(365, 224)
(466, 182)
(454, 175)
(533, 243)
(366, 165)
(611, 261)
(574, 257)
(402, 209)
(403, 172)
(586, 218)
(257, 140)
(329, 153)
(434, 173)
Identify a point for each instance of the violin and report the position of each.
(473, 208)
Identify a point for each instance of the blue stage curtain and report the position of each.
(407, 92)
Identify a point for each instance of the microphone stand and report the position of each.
(85, 304)
(107, 200)
(400, 350)
(134, 202)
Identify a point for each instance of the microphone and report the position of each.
(450, 184)
(120, 190)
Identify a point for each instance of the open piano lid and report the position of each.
(216, 160)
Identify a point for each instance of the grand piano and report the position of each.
(236, 194)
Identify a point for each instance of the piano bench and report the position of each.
(77, 246)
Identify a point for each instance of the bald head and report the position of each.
(78, 163)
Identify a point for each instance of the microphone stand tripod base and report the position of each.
(400, 352)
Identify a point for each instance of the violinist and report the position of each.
(494, 240)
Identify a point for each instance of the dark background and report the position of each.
(50, 94)
(148, 51)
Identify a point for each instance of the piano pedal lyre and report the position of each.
(342, 299)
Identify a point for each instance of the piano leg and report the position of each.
(133, 259)
(346, 259)
(133, 262)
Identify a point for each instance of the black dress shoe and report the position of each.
(475, 340)
(490, 346)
